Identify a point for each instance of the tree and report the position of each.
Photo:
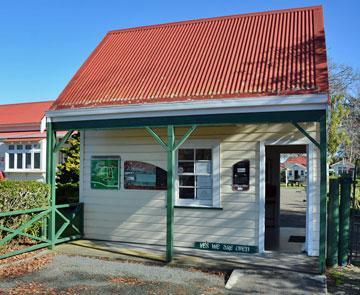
(68, 172)
(352, 126)
(342, 135)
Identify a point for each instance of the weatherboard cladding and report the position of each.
(270, 53)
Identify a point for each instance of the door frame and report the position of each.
(310, 193)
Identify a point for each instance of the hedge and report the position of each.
(22, 195)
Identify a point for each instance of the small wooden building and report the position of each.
(182, 126)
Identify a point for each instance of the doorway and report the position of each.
(285, 198)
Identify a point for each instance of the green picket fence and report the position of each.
(68, 226)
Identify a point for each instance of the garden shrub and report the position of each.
(22, 195)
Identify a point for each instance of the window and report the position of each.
(197, 184)
(23, 157)
(144, 176)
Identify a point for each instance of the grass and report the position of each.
(344, 280)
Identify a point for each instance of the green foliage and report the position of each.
(68, 172)
(337, 135)
(22, 195)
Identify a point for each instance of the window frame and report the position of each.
(36, 147)
(214, 145)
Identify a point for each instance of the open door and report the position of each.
(285, 207)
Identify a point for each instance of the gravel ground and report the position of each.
(83, 275)
(293, 207)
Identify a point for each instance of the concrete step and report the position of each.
(255, 281)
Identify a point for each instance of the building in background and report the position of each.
(294, 169)
(23, 140)
(342, 167)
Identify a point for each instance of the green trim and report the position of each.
(51, 180)
(63, 140)
(185, 137)
(170, 194)
(304, 132)
(19, 212)
(202, 208)
(19, 230)
(205, 120)
(333, 223)
(344, 219)
(24, 234)
(157, 138)
(28, 249)
(323, 194)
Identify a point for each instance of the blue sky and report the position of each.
(43, 43)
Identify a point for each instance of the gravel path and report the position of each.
(96, 276)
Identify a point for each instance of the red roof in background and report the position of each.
(23, 113)
(269, 53)
(296, 160)
(22, 134)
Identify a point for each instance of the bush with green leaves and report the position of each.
(22, 195)
(67, 180)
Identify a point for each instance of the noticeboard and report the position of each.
(105, 172)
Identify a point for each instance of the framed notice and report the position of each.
(105, 172)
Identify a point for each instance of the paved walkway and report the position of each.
(191, 257)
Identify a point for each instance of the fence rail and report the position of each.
(68, 226)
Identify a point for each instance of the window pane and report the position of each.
(36, 160)
(11, 147)
(186, 167)
(36, 146)
(187, 193)
(11, 161)
(185, 180)
(203, 181)
(186, 154)
(19, 164)
(203, 167)
(19, 147)
(28, 147)
(28, 161)
(141, 175)
(204, 194)
(203, 154)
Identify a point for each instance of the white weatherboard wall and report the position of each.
(139, 216)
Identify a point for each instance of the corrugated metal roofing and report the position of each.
(23, 113)
(270, 53)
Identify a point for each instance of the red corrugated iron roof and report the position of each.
(270, 53)
(297, 160)
(23, 113)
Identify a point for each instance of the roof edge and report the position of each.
(251, 104)
(185, 22)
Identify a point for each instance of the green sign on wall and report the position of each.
(105, 172)
(225, 247)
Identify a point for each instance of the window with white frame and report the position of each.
(23, 156)
(198, 182)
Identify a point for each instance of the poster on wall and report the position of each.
(105, 172)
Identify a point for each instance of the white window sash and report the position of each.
(214, 145)
(16, 152)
